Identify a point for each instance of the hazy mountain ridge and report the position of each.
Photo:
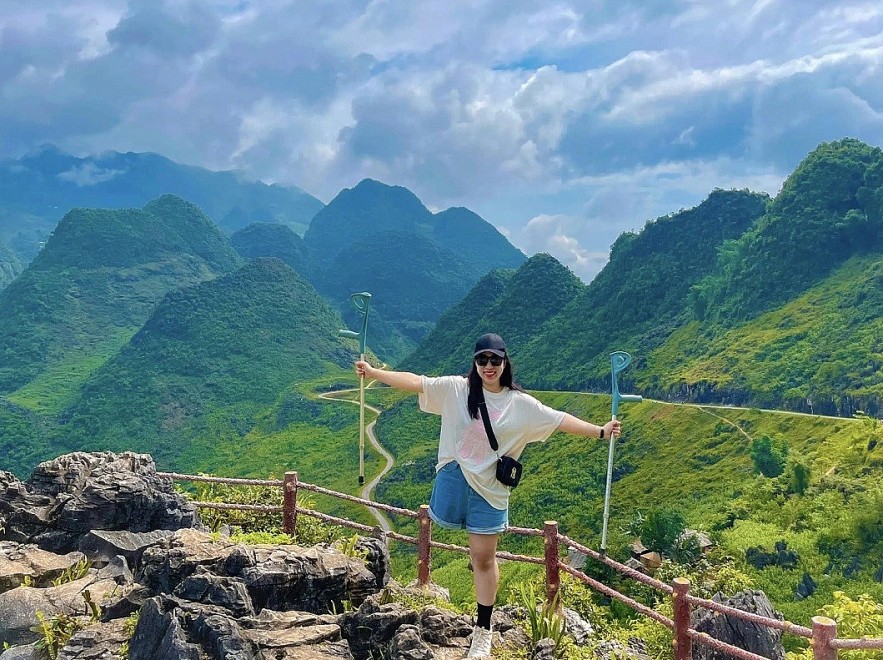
(38, 189)
(10, 266)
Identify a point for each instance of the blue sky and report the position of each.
(562, 123)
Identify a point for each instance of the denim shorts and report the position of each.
(454, 504)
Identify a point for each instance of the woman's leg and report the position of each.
(482, 552)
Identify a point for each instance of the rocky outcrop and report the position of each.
(738, 632)
(781, 556)
(198, 596)
(65, 499)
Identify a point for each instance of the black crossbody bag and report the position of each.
(508, 469)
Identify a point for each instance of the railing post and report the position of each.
(423, 547)
(553, 575)
(682, 642)
(289, 503)
(823, 631)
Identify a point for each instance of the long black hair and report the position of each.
(476, 393)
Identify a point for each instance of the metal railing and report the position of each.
(823, 634)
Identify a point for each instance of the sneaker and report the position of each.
(481, 643)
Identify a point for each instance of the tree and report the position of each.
(661, 530)
(769, 455)
(798, 478)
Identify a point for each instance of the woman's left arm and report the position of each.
(571, 424)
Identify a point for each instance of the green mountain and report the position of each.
(206, 362)
(419, 282)
(828, 210)
(740, 300)
(263, 239)
(10, 266)
(510, 303)
(791, 315)
(38, 189)
(89, 290)
(375, 235)
(558, 329)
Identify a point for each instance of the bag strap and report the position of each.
(482, 408)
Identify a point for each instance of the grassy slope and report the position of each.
(796, 351)
(685, 457)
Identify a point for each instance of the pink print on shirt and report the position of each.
(474, 446)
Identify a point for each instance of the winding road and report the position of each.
(367, 491)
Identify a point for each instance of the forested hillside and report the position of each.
(93, 285)
(264, 239)
(416, 264)
(742, 299)
(514, 303)
(208, 359)
(10, 266)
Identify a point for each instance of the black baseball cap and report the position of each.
(490, 343)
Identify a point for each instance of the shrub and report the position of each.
(769, 455)
(855, 618)
(661, 530)
(308, 531)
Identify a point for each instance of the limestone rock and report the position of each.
(28, 563)
(66, 498)
(761, 640)
(98, 642)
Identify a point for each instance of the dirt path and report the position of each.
(367, 492)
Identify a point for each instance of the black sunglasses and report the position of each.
(482, 360)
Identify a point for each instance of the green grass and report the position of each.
(59, 384)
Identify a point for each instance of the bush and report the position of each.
(260, 525)
(769, 455)
(855, 618)
(661, 530)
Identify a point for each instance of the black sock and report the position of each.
(484, 616)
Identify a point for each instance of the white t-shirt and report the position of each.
(517, 419)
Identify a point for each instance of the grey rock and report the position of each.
(284, 577)
(229, 593)
(376, 560)
(615, 650)
(165, 565)
(160, 634)
(577, 627)
(317, 579)
(19, 607)
(66, 498)
(805, 588)
(373, 625)
(25, 652)
(117, 569)
(98, 642)
(407, 645)
(544, 650)
(222, 637)
(441, 627)
(738, 632)
(102, 545)
(27, 563)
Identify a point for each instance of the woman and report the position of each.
(466, 493)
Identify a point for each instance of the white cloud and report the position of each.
(88, 174)
(598, 115)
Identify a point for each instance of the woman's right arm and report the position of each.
(400, 380)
